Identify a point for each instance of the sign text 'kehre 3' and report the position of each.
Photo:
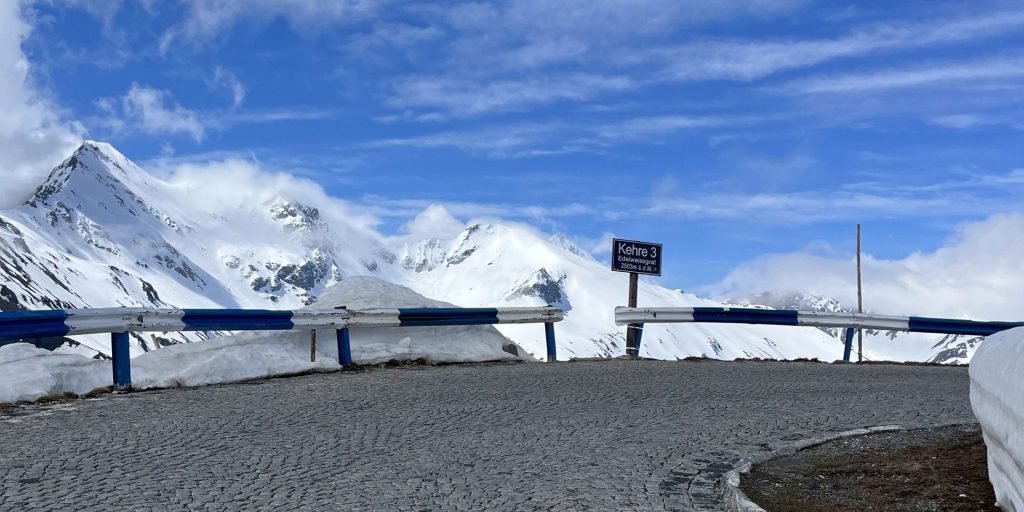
(637, 257)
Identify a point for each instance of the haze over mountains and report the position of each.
(101, 231)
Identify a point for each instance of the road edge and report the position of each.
(734, 498)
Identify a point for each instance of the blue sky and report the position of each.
(725, 130)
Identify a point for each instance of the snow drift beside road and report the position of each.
(28, 373)
(997, 397)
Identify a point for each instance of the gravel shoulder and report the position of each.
(933, 469)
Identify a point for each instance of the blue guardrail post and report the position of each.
(848, 342)
(344, 345)
(549, 333)
(122, 362)
(639, 336)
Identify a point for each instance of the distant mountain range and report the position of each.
(878, 345)
(101, 231)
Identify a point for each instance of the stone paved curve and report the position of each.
(612, 435)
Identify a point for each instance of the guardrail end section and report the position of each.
(120, 354)
(549, 334)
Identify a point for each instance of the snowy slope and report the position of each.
(513, 265)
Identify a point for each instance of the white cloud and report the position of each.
(511, 55)
(501, 141)
(970, 74)
(515, 55)
(230, 185)
(547, 28)
(409, 208)
(750, 60)
(602, 246)
(147, 109)
(520, 140)
(435, 221)
(654, 126)
(225, 79)
(225, 120)
(34, 136)
(976, 274)
(463, 97)
(959, 121)
(971, 195)
(206, 19)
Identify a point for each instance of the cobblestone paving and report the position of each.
(614, 435)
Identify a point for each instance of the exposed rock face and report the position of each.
(543, 286)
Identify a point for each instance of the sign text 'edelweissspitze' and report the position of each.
(638, 257)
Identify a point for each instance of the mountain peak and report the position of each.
(98, 159)
(561, 240)
(100, 147)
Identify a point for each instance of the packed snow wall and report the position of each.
(997, 397)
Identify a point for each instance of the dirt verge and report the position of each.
(938, 469)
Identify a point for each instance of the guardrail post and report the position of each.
(312, 345)
(549, 334)
(121, 360)
(639, 336)
(344, 345)
(848, 342)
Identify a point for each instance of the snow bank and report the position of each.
(28, 373)
(997, 397)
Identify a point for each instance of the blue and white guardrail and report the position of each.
(28, 325)
(850, 321)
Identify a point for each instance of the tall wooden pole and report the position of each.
(860, 303)
(631, 329)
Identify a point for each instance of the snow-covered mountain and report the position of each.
(100, 231)
(878, 345)
(515, 265)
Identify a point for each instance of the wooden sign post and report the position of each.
(636, 258)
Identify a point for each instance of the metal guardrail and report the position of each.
(849, 321)
(119, 322)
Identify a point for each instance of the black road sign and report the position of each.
(636, 257)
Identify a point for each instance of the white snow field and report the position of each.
(28, 373)
(997, 397)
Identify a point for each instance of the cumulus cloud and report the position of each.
(435, 221)
(148, 109)
(232, 184)
(34, 136)
(976, 274)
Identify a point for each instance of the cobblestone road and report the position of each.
(614, 435)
